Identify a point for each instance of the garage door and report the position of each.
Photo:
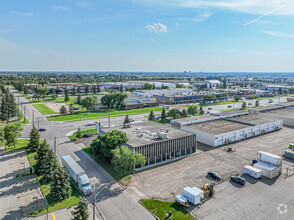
(249, 133)
(220, 141)
(233, 137)
(241, 135)
(272, 127)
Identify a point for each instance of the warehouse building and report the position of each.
(283, 112)
(217, 131)
(157, 142)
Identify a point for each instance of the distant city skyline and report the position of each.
(147, 35)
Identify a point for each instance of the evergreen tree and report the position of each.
(151, 116)
(73, 91)
(13, 110)
(66, 96)
(244, 105)
(40, 156)
(121, 88)
(60, 185)
(49, 166)
(79, 133)
(71, 108)
(79, 90)
(127, 120)
(256, 103)
(81, 211)
(57, 90)
(98, 88)
(34, 139)
(201, 110)
(94, 89)
(79, 99)
(184, 113)
(163, 114)
(63, 110)
(87, 90)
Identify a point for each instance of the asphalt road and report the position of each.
(112, 200)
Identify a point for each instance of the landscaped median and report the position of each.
(161, 208)
(44, 109)
(101, 114)
(73, 137)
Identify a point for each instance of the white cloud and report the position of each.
(82, 3)
(279, 34)
(249, 6)
(156, 28)
(61, 8)
(27, 14)
(200, 18)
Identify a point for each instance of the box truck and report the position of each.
(269, 158)
(191, 195)
(268, 170)
(77, 174)
(289, 154)
(200, 191)
(252, 171)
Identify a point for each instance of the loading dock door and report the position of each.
(257, 132)
(266, 128)
(220, 141)
(241, 135)
(233, 137)
(249, 133)
(272, 127)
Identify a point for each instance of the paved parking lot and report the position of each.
(258, 199)
(18, 195)
(166, 181)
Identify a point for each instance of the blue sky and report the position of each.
(147, 35)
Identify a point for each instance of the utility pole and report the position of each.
(108, 120)
(24, 113)
(33, 118)
(54, 149)
(94, 201)
(18, 109)
(38, 123)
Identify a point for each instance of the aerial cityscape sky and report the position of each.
(147, 35)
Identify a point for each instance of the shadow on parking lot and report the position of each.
(236, 184)
(11, 155)
(250, 179)
(268, 181)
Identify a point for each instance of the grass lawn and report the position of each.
(124, 180)
(160, 208)
(83, 131)
(72, 201)
(49, 99)
(21, 144)
(44, 109)
(101, 114)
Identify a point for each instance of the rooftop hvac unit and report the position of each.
(154, 134)
(162, 135)
(166, 130)
(138, 129)
(140, 135)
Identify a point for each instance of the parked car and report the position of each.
(238, 179)
(229, 106)
(76, 108)
(131, 120)
(42, 129)
(209, 108)
(91, 123)
(214, 175)
(87, 135)
(250, 103)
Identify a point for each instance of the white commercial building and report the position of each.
(219, 130)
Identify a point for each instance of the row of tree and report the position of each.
(8, 108)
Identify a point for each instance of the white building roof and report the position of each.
(213, 81)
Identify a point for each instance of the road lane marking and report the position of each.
(53, 216)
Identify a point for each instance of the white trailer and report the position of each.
(191, 195)
(200, 191)
(268, 170)
(77, 174)
(181, 200)
(269, 158)
(252, 171)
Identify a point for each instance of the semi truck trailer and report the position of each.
(77, 174)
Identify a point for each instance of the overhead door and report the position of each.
(220, 141)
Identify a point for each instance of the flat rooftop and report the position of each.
(286, 112)
(217, 126)
(252, 119)
(194, 118)
(147, 128)
(231, 113)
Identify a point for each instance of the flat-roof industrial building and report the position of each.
(157, 142)
(217, 130)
